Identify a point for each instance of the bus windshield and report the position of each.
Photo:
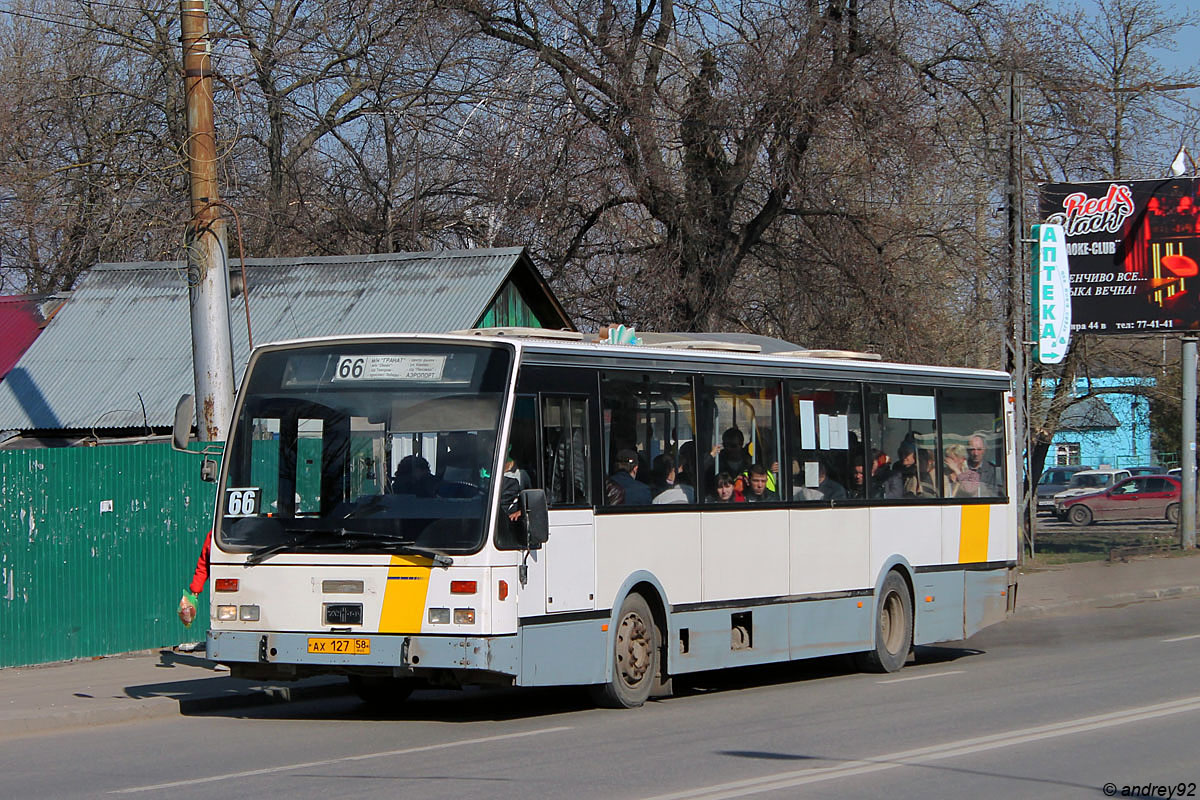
(366, 447)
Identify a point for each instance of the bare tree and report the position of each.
(708, 114)
(84, 167)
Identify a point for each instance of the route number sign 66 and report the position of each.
(242, 502)
(350, 368)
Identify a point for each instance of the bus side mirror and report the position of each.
(185, 412)
(181, 433)
(535, 517)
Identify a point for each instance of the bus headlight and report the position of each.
(464, 616)
(439, 616)
(248, 613)
(226, 613)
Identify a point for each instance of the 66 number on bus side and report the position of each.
(241, 502)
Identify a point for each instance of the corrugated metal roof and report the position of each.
(118, 355)
(20, 322)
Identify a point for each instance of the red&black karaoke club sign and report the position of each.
(1134, 247)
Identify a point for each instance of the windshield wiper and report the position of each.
(263, 553)
(391, 543)
(396, 544)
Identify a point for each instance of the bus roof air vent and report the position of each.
(524, 333)
(696, 341)
(701, 344)
(849, 355)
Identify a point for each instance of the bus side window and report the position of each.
(744, 432)
(973, 443)
(522, 471)
(652, 416)
(904, 463)
(827, 444)
(565, 456)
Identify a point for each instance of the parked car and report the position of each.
(1086, 482)
(1148, 469)
(1141, 497)
(1053, 481)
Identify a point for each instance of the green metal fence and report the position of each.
(96, 546)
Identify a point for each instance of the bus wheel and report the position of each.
(893, 628)
(382, 694)
(634, 657)
(1081, 516)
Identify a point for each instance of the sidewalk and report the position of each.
(162, 683)
(167, 683)
(1100, 583)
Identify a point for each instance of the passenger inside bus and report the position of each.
(726, 491)
(979, 478)
(954, 461)
(904, 480)
(624, 476)
(511, 483)
(666, 488)
(412, 476)
(733, 457)
(685, 469)
(858, 479)
(928, 472)
(758, 491)
(828, 487)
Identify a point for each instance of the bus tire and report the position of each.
(635, 657)
(382, 693)
(1081, 516)
(893, 627)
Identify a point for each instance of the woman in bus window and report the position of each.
(726, 490)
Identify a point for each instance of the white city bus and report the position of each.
(508, 507)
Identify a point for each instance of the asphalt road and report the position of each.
(1039, 707)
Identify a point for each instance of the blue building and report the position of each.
(1106, 429)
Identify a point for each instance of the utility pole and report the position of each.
(1017, 306)
(208, 279)
(1187, 538)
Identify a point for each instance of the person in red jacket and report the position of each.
(188, 603)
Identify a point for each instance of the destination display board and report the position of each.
(1134, 247)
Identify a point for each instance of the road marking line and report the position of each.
(922, 677)
(1182, 638)
(794, 778)
(325, 762)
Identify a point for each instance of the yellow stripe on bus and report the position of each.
(973, 535)
(404, 598)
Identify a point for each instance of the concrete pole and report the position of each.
(208, 279)
(1018, 305)
(1187, 538)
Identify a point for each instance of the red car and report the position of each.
(1140, 497)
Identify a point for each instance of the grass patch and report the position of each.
(1055, 559)
(1063, 543)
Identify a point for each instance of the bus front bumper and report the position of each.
(325, 652)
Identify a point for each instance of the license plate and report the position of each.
(353, 647)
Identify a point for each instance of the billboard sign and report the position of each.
(1134, 247)
(1051, 294)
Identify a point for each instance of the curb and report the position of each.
(1107, 600)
